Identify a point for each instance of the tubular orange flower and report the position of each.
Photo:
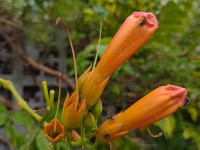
(134, 32)
(54, 131)
(73, 111)
(156, 105)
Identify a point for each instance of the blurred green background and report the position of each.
(172, 56)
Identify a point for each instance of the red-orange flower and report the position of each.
(54, 131)
(156, 105)
(134, 32)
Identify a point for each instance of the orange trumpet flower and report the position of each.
(155, 106)
(54, 131)
(134, 32)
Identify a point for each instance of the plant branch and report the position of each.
(17, 48)
(21, 102)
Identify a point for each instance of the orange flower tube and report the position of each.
(155, 106)
(134, 32)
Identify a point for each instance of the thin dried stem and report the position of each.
(155, 136)
(99, 42)
(18, 49)
(58, 20)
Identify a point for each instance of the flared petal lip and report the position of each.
(59, 129)
(149, 17)
(180, 96)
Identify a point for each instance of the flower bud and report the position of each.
(134, 33)
(89, 121)
(155, 106)
(97, 109)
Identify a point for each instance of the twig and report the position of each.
(15, 47)
(11, 23)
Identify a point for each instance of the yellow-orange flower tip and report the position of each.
(73, 111)
(83, 77)
(93, 88)
(134, 33)
(54, 135)
(155, 106)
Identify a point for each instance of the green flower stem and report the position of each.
(54, 146)
(21, 102)
(83, 128)
(47, 99)
(46, 94)
(69, 136)
(95, 126)
(78, 143)
(82, 133)
(52, 93)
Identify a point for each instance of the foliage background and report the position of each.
(172, 56)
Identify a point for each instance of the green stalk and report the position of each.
(52, 93)
(21, 102)
(69, 136)
(82, 133)
(78, 143)
(54, 146)
(58, 104)
(46, 94)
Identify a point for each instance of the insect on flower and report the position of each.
(110, 117)
(106, 136)
(143, 22)
(124, 44)
(147, 110)
(186, 103)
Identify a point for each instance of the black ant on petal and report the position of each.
(143, 22)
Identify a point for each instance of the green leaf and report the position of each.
(3, 114)
(193, 113)
(191, 132)
(116, 89)
(42, 142)
(63, 146)
(11, 132)
(167, 125)
(19, 4)
(22, 118)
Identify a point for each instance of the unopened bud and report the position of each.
(89, 121)
(97, 109)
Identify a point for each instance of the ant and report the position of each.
(110, 117)
(143, 22)
(106, 136)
